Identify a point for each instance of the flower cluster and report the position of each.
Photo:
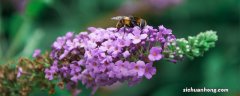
(102, 57)
(19, 78)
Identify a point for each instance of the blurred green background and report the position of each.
(29, 24)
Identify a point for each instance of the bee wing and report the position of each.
(117, 17)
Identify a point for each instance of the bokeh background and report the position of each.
(29, 24)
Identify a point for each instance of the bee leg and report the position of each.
(142, 24)
(124, 28)
(133, 24)
(118, 25)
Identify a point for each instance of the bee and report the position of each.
(129, 21)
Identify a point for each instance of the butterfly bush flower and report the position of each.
(102, 57)
(139, 68)
(155, 54)
(20, 71)
(36, 53)
(149, 71)
(126, 54)
(136, 35)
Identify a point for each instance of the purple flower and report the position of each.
(106, 45)
(91, 44)
(81, 62)
(49, 74)
(72, 44)
(171, 38)
(20, 71)
(126, 54)
(75, 78)
(155, 54)
(149, 70)
(59, 43)
(102, 57)
(115, 50)
(87, 79)
(36, 53)
(123, 42)
(111, 74)
(94, 66)
(92, 29)
(104, 66)
(122, 67)
(69, 35)
(65, 53)
(164, 30)
(64, 70)
(54, 68)
(75, 69)
(107, 59)
(139, 68)
(136, 37)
